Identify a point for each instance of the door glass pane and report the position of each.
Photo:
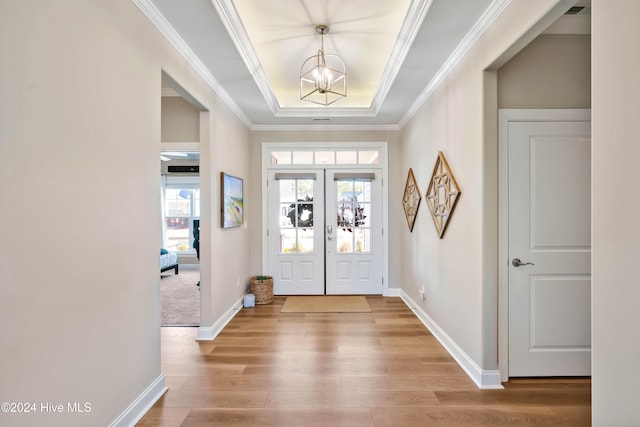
(287, 190)
(364, 215)
(305, 240)
(353, 216)
(288, 239)
(362, 190)
(362, 237)
(305, 189)
(287, 219)
(345, 213)
(296, 215)
(303, 214)
(345, 240)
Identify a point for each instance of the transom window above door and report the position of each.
(325, 157)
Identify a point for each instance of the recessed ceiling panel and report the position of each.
(362, 32)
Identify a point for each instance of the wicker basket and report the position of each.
(262, 288)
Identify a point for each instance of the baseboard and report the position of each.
(484, 379)
(141, 405)
(208, 333)
(392, 292)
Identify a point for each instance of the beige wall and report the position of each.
(230, 247)
(80, 138)
(616, 209)
(180, 120)
(553, 71)
(459, 272)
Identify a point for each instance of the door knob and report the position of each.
(329, 238)
(517, 263)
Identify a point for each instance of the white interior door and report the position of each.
(296, 231)
(549, 248)
(353, 232)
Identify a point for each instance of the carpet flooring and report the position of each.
(180, 298)
(326, 304)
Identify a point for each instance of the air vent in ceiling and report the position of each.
(183, 169)
(574, 10)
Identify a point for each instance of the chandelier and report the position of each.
(322, 77)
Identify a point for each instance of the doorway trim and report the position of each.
(505, 116)
(383, 165)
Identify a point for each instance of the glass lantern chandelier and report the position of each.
(323, 79)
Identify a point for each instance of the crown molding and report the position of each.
(322, 112)
(408, 32)
(160, 22)
(233, 24)
(340, 128)
(480, 27)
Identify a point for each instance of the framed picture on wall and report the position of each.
(232, 209)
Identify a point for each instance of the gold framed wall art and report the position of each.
(443, 194)
(411, 199)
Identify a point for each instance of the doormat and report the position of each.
(326, 304)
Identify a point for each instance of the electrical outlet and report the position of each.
(422, 293)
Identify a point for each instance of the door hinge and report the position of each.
(267, 231)
(383, 281)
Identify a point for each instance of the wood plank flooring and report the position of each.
(382, 368)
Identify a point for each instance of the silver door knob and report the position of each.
(329, 238)
(517, 263)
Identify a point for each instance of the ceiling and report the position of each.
(251, 51)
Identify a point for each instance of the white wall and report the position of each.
(459, 272)
(395, 185)
(80, 120)
(616, 209)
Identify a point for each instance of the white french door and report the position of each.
(354, 232)
(325, 231)
(296, 231)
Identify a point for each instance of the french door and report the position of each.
(325, 231)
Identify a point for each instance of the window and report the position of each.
(182, 206)
(325, 157)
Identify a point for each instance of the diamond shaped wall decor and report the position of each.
(411, 199)
(443, 194)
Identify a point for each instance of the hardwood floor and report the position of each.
(382, 368)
